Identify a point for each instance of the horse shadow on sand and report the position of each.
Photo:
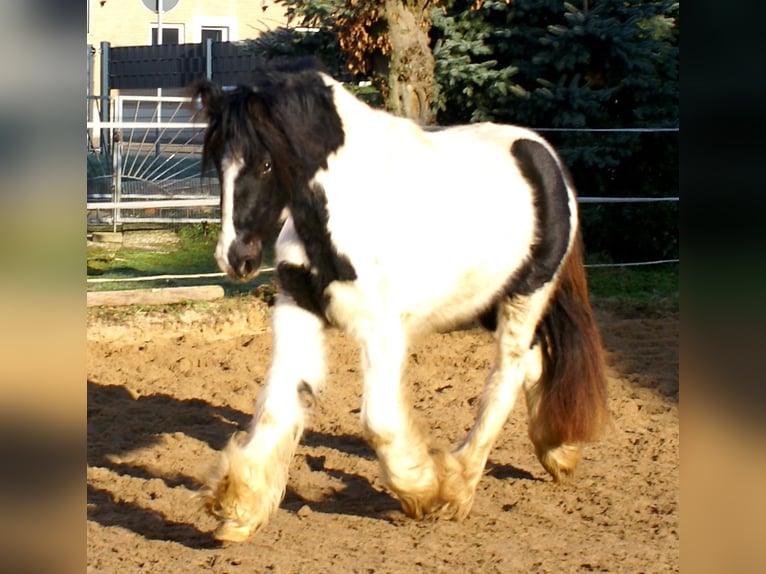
(120, 423)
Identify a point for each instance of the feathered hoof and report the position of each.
(238, 495)
(441, 509)
(235, 505)
(231, 531)
(560, 461)
(449, 498)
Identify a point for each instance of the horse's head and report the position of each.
(267, 142)
(241, 147)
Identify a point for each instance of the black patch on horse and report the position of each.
(307, 285)
(310, 217)
(301, 108)
(259, 200)
(552, 226)
(295, 280)
(548, 180)
(286, 118)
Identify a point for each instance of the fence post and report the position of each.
(89, 50)
(104, 99)
(117, 167)
(158, 129)
(209, 58)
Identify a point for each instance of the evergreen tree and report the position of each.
(602, 64)
(542, 64)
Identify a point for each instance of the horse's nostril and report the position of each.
(248, 266)
(245, 258)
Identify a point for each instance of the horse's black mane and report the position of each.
(287, 116)
(287, 108)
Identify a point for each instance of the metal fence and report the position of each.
(179, 65)
(143, 163)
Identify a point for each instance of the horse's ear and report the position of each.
(257, 104)
(210, 96)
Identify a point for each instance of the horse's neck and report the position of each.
(362, 122)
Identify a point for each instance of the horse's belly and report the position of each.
(418, 303)
(451, 299)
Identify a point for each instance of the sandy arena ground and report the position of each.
(166, 389)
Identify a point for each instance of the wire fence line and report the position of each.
(169, 277)
(193, 276)
(214, 201)
(608, 130)
(633, 264)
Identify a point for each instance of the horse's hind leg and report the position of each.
(437, 483)
(567, 400)
(250, 481)
(516, 361)
(560, 459)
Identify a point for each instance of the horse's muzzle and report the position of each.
(244, 259)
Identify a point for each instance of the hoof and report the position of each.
(239, 495)
(231, 531)
(560, 461)
(440, 509)
(450, 497)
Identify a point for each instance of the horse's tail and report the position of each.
(568, 404)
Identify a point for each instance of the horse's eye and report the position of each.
(266, 167)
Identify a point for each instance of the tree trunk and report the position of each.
(409, 68)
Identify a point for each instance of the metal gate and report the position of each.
(144, 165)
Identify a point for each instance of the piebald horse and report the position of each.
(388, 231)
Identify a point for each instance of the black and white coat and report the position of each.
(388, 231)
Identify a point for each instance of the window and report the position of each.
(216, 34)
(171, 34)
(215, 28)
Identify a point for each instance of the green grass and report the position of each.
(655, 285)
(192, 253)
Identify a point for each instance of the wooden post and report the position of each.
(162, 296)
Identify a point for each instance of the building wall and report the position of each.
(130, 22)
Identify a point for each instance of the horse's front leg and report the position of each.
(425, 481)
(250, 481)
